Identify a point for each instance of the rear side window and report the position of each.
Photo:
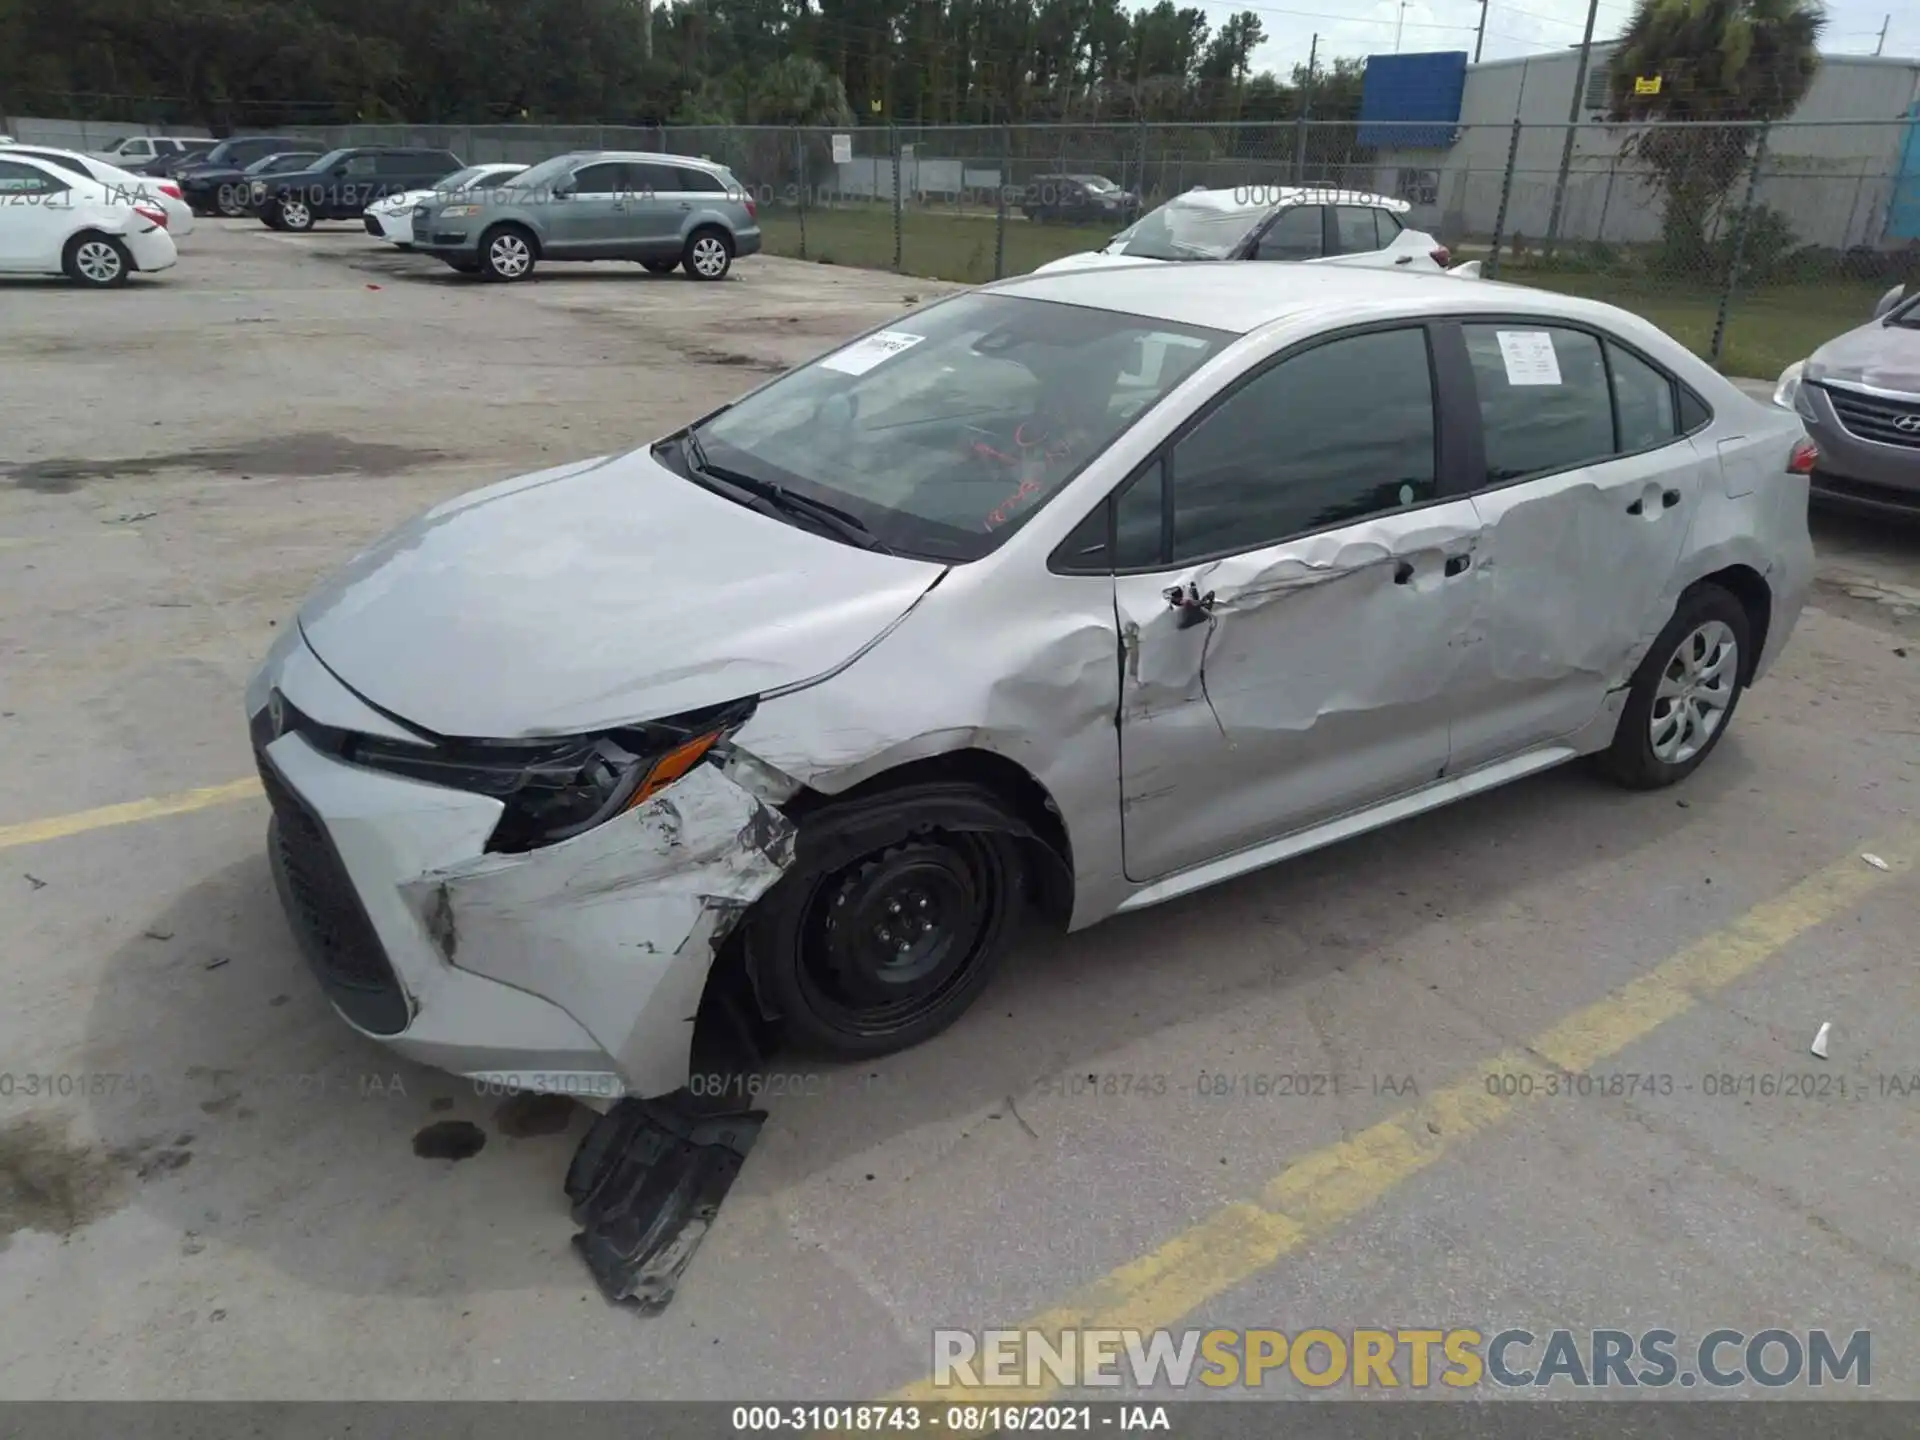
(1389, 225)
(364, 165)
(650, 178)
(1643, 400)
(1294, 235)
(704, 181)
(1545, 404)
(1355, 228)
(1694, 414)
(1330, 436)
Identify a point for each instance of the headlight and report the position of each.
(459, 212)
(1788, 390)
(556, 789)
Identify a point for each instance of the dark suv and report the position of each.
(1078, 200)
(215, 183)
(342, 183)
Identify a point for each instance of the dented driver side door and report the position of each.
(1289, 643)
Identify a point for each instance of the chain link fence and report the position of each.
(1750, 243)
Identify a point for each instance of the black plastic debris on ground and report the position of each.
(646, 1184)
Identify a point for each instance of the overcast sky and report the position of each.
(1527, 27)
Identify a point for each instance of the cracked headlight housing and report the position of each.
(555, 789)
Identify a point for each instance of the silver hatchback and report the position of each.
(663, 211)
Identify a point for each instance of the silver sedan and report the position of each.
(1051, 600)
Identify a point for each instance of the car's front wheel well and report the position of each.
(1025, 798)
(1747, 586)
(523, 231)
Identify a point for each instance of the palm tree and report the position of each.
(1734, 63)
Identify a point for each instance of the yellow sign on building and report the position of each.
(1646, 85)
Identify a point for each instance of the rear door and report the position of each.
(1588, 488)
(660, 213)
(35, 210)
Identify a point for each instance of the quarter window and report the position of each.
(1643, 398)
(703, 181)
(1545, 404)
(1294, 235)
(1354, 225)
(1336, 434)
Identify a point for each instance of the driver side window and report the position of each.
(1295, 234)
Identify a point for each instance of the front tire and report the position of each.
(1684, 694)
(99, 262)
(231, 202)
(294, 215)
(893, 918)
(507, 254)
(709, 254)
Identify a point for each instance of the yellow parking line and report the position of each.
(1328, 1187)
(33, 832)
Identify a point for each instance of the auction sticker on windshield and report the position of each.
(863, 355)
(1529, 357)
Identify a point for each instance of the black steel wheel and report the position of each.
(895, 915)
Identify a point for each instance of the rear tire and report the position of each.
(1683, 695)
(507, 254)
(709, 254)
(895, 914)
(99, 262)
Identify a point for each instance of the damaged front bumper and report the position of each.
(577, 968)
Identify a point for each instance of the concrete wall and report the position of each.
(1835, 181)
(83, 134)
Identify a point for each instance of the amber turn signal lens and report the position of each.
(672, 765)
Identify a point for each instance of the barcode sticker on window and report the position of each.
(1529, 357)
(863, 355)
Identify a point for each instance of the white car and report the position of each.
(392, 218)
(1270, 222)
(142, 189)
(139, 149)
(56, 222)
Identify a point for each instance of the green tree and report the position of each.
(1738, 63)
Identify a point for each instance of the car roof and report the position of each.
(655, 156)
(1241, 296)
(1269, 197)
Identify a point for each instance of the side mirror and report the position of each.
(1887, 301)
(563, 189)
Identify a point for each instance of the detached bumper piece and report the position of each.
(646, 1184)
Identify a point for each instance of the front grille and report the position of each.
(331, 925)
(1885, 422)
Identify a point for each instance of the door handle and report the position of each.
(1457, 564)
(1404, 260)
(686, 205)
(1192, 606)
(620, 205)
(1403, 573)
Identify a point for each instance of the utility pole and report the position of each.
(1399, 25)
(1306, 108)
(1881, 43)
(1573, 121)
(1480, 32)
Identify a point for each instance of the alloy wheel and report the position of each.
(1696, 689)
(509, 255)
(709, 256)
(98, 262)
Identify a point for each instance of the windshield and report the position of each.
(1099, 184)
(288, 160)
(330, 159)
(1202, 226)
(945, 433)
(1906, 314)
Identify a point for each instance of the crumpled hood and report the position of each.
(593, 595)
(1886, 357)
(1093, 260)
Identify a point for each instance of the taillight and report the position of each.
(1442, 256)
(1805, 456)
(171, 191)
(147, 212)
(753, 210)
